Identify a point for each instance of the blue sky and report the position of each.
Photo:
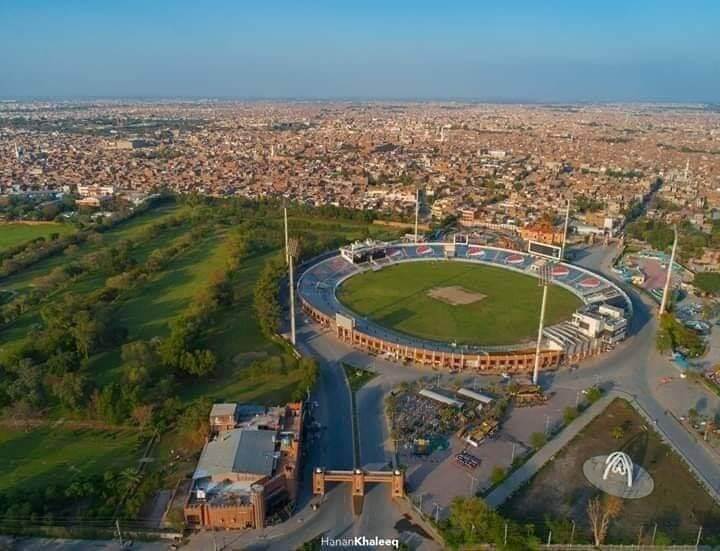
(506, 50)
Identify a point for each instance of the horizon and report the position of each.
(647, 52)
(358, 99)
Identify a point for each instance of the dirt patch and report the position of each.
(455, 295)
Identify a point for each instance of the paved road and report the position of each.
(636, 369)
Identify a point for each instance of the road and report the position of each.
(633, 369)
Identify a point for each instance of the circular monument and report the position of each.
(615, 474)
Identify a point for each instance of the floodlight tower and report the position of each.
(417, 212)
(565, 230)
(545, 276)
(287, 245)
(293, 246)
(668, 277)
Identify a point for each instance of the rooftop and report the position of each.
(238, 451)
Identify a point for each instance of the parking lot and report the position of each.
(438, 477)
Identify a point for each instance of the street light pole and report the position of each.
(668, 277)
(545, 275)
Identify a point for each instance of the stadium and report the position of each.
(460, 306)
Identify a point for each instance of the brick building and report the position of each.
(248, 469)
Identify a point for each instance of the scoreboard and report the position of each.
(543, 249)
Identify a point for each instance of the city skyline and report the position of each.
(647, 52)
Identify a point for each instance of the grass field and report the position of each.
(46, 455)
(16, 233)
(51, 455)
(678, 504)
(126, 230)
(506, 313)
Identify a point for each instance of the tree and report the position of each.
(70, 389)
(617, 432)
(194, 424)
(593, 394)
(538, 440)
(600, 512)
(570, 414)
(497, 475)
(471, 521)
(85, 331)
(142, 415)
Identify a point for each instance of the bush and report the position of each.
(497, 475)
(570, 414)
(538, 440)
(593, 394)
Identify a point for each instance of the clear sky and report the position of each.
(544, 50)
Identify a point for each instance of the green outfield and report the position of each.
(455, 301)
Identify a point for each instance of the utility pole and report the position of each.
(565, 230)
(119, 533)
(666, 290)
(473, 480)
(287, 248)
(292, 253)
(417, 212)
(545, 275)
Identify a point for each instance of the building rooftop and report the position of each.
(222, 410)
(238, 451)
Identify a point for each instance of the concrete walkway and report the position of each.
(547, 453)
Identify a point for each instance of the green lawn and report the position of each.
(147, 313)
(51, 455)
(357, 377)
(397, 297)
(15, 233)
(126, 230)
(87, 283)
